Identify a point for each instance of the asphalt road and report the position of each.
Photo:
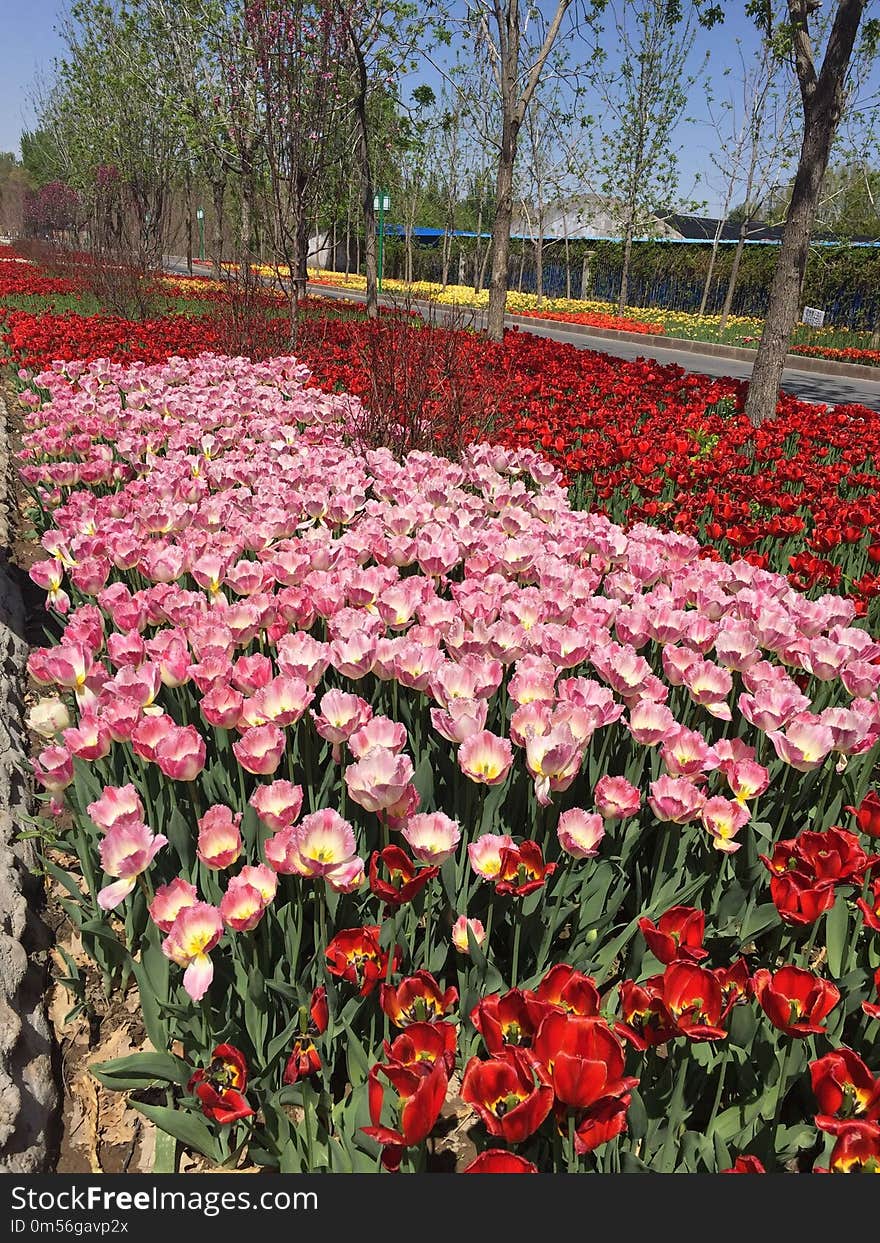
(808, 385)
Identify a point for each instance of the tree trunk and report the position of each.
(731, 280)
(217, 194)
(189, 224)
(624, 272)
(567, 265)
(539, 263)
(712, 257)
(244, 227)
(823, 96)
(478, 244)
(522, 264)
(367, 189)
(500, 244)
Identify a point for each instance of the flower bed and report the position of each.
(402, 786)
(641, 440)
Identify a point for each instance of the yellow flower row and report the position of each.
(673, 323)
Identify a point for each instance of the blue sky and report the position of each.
(29, 42)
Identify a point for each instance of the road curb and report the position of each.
(28, 1095)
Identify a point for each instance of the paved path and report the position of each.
(808, 385)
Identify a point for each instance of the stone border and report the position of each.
(28, 1094)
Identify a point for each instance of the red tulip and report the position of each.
(745, 1165)
(404, 881)
(220, 1087)
(867, 814)
(510, 1094)
(844, 1089)
(677, 934)
(795, 1001)
(523, 870)
(500, 1161)
(420, 1091)
(355, 955)
(417, 999)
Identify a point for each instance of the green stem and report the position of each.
(780, 1092)
(517, 930)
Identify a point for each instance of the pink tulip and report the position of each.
(219, 843)
(460, 933)
(242, 906)
(192, 936)
(181, 753)
(485, 854)
(485, 758)
(341, 716)
(746, 779)
(379, 779)
(259, 750)
(432, 836)
(118, 807)
(675, 799)
(90, 740)
(221, 706)
(723, 820)
(650, 723)
(170, 900)
(616, 798)
(580, 833)
(379, 732)
(53, 768)
(803, 745)
(278, 804)
(149, 733)
(324, 841)
(126, 851)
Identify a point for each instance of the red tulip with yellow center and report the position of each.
(417, 999)
(220, 1087)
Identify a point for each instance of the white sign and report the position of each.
(385, 204)
(200, 215)
(813, 316)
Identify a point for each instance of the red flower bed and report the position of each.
(870, 358)
(33, 340)
(596, 319)
(18, 277)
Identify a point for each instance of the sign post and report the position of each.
(381, 203)
(200, 216)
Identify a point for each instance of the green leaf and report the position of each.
(836, 928)
(165, 1159)
(186, 1127)
(180, 834)
(140, 1070)
(630, 1164)
(423, 780)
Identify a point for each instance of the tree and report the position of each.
(516, 59)
(644, 96)
(823, 89)
(543, 170)
(751, 147)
